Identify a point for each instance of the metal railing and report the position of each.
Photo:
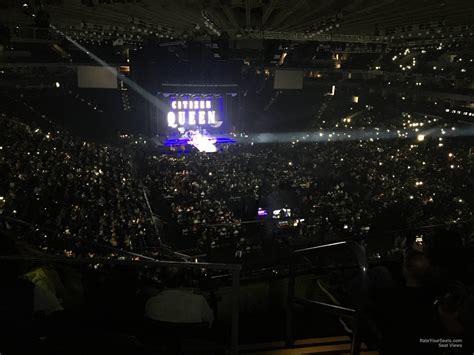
(353, 313)
(144, 261)
(234, 269)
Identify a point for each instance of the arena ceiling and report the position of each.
(361, 17)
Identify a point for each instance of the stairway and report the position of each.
(321, 346)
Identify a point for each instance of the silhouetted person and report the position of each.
(406, 314)
(176, 304)
(16, 302)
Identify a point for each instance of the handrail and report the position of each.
(327, 307)
(358, 250)
(234, 268)
(267, 221)
(137, 263)
(355, 313)
(145, 195)
(163, 247)
(323, 246)
(95, 244)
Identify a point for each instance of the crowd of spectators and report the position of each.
(80, 190)
(342, 188)
(355, 179)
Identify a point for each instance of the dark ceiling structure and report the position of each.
(236, 18)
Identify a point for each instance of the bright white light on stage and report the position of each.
(203, 143)
(57, 84)
(420, 138)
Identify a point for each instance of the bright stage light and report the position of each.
(203, 143)
(420, 138)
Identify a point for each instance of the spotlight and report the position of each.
(420, 138)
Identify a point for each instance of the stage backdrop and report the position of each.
(202, 111)
(195, 112)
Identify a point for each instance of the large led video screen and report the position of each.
(96, 77)
(195, 112)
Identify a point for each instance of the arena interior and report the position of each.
(237, 177)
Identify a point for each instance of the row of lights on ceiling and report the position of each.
(210, 25)
(458, 112)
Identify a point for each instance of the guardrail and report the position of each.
(145, 261)
(354, 313)
(233, 268)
